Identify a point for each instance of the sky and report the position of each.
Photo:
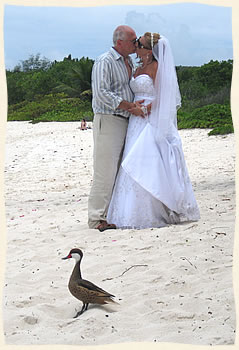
(197, 32)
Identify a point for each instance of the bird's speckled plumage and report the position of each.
(84, 290)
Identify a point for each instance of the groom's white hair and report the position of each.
(120, 33)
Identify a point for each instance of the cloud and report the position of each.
(197, 32)
(196, 36)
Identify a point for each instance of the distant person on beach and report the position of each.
(83, 125)
(112, 99)
(153, 188)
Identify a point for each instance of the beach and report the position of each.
(173, 284)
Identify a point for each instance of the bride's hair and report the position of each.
(151, 38)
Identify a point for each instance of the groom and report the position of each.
(112, 98)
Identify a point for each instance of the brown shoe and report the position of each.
(103, 225)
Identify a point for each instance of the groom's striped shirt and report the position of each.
(110, 83)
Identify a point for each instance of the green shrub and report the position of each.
(51, 107)
(222, 130)
(214, 116)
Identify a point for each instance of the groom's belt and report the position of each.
(120, 116)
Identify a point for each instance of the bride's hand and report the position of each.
(141, 110)
(137, 109)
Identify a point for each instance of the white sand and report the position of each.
(174, 284)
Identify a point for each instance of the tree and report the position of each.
(75, 77)
(215, 74)
(15, 92)
(208, 84)
(33, 63)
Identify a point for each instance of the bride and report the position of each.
(153, 188)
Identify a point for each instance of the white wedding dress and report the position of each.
(152, 188)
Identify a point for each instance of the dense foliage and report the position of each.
(205, 95)
(40, 90)
(29, 81)
(52, 107)
(214, 116)
(210, 83)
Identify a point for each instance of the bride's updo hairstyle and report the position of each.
(151, 39)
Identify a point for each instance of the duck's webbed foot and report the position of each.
(84, 308)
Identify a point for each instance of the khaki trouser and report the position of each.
(109, 133)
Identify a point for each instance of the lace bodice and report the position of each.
(142, 87)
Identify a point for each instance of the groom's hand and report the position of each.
(138, 110)
(126, 106)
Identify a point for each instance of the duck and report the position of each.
(84, 290)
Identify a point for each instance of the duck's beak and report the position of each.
(67, 257)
